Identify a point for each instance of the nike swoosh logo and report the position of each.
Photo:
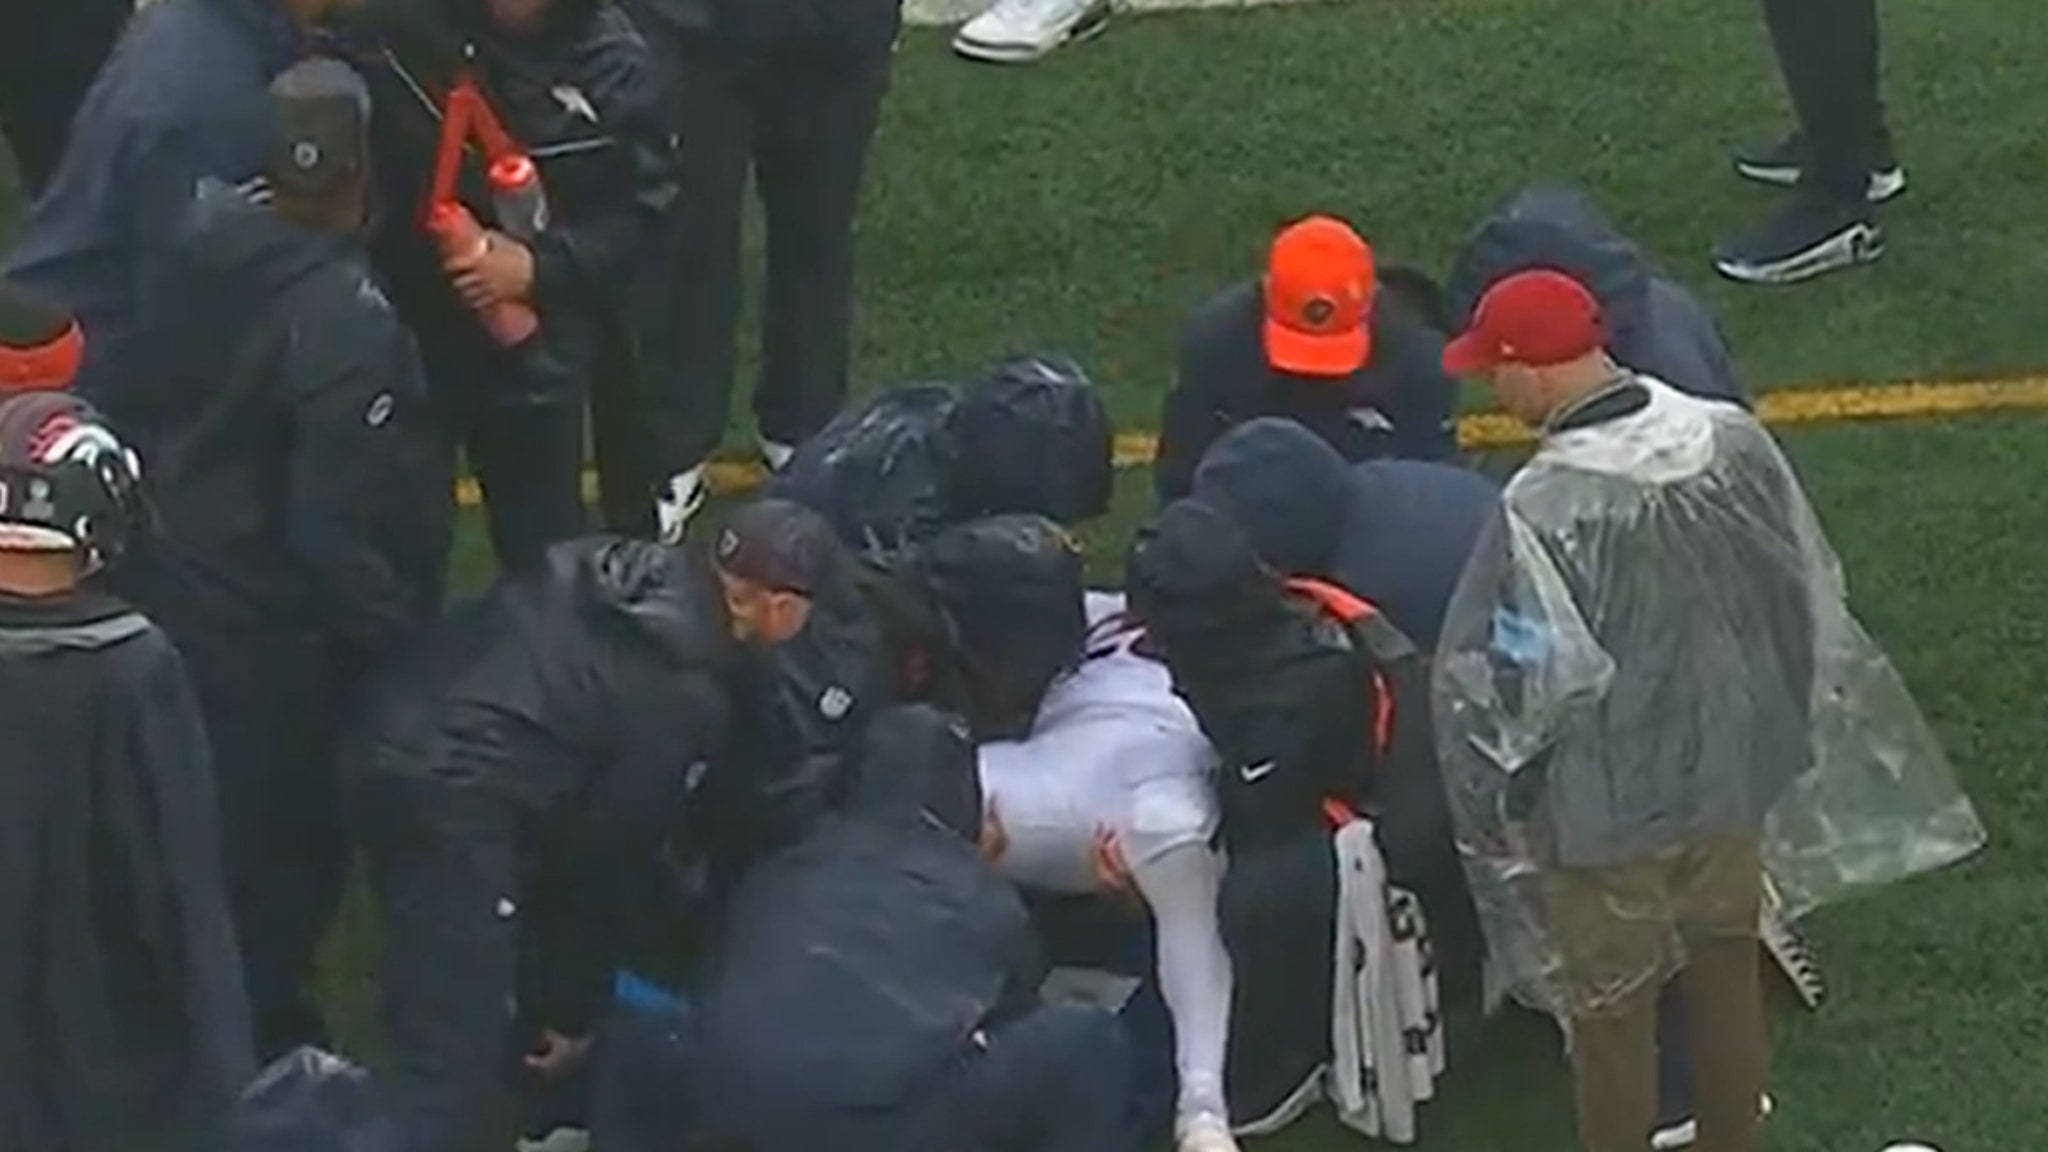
(1253, 773)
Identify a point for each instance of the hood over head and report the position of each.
(919, 762)
(882, 472)
(1285, 489)
(1551, 226)
(657, 590)
(1035, 437)
(1011, 591)
(1198, 585)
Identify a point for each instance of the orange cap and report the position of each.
(1319, 289)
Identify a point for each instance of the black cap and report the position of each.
(780, 545)
(321, 127)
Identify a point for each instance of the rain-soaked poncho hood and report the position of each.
(1550, 226)
(1652, 650)
(1654, 325)
(1285, 487)
(857, 964)
(1009, 591)
(656, 590)
(883, 473)
(1034, 437)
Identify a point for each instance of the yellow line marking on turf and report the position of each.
(1793, 406)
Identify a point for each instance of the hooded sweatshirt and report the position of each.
(1656, 326)
(1396, 533)
(860, 962)
(296, 466)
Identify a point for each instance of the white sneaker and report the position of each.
(1686, 1132)
(776, 454)
(559, 1140)
(1020, 31)
(677, 502)
(1204, 1132)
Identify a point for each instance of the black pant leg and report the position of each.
(815, 132)
(1278, 908)
(528, 459)
(620, 394)
(442, 869)
(1827, 52)
(693, 347)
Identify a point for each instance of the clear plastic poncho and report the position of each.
(1650, 652)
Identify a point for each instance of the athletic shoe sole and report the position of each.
(1091, 24)
(1686, 1133)
(1306, 1096)
(1886, 184)
(1861, 243)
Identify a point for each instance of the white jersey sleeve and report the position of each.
(1112, 747)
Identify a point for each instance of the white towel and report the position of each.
(1386, 1031)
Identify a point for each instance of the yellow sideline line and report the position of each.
(1793, 406)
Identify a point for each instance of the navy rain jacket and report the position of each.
(1656, 325)
(860, 963)
(1396, 533)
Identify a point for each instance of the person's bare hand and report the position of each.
(1112, 871)
(500, 272)
(557, 1055)
(994, 839)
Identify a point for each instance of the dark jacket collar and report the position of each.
(1623, 396)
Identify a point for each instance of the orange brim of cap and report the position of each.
(48, 367)
(1316, 354)
(1469, 355)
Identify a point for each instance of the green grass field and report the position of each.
(1087, 202)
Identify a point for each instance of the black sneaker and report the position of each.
(1781, 164)
(1806, 238)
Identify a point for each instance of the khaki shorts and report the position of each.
(1619, 928)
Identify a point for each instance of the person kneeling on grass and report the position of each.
(127, 1026)
(875, 988)
(513, 795)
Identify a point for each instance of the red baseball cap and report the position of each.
(1540, 318)
(1319, 288)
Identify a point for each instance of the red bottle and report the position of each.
(458, 234)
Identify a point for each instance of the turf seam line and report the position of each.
(1788, 407)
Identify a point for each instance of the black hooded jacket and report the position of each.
(1656, 326)
(299, 477)
(1396, 533)
(579, 697)
(860, 962)
(126, 1025)
(582, 97)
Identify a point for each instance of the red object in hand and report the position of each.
(517, 196)
(459, 235)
